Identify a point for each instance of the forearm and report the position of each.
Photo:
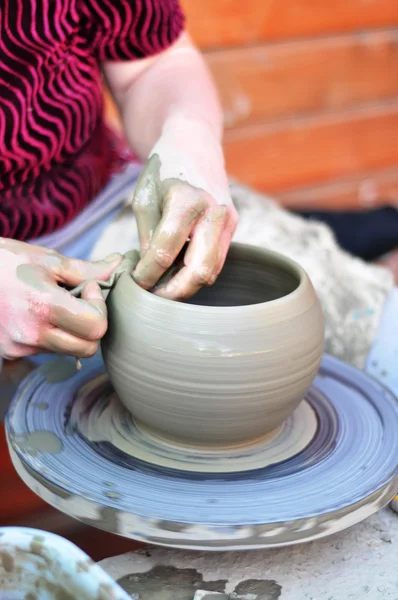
(172, 117)
(163, 92)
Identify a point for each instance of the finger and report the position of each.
(147, 202)
(204, 249)
(15, 351)
(85, 318)
(227, 236)
(183, 208)
(203, 260)
(59, 341)
(72, 271)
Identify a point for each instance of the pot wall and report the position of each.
(217, 374)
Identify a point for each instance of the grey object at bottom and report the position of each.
(357, 564)
(346, 473)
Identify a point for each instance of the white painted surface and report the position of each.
(358, 564)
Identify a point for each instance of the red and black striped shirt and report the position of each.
(55, 151)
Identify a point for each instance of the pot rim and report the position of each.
(301, 274)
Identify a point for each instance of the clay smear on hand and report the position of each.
(170, 211)
(38, 314)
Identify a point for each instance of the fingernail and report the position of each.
(112, 257)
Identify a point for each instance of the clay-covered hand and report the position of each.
(37, 314)
(183, 194)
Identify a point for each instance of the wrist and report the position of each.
(192, 139)
(193, 127)
(198, 162)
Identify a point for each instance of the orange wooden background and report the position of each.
(310, 94)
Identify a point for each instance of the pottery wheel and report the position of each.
(333, 463)
(99, 416)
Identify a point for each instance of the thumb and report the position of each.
(73, 272)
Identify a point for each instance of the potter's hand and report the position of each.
(183, 193)
(37, 314)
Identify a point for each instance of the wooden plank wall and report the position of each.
(310, 95)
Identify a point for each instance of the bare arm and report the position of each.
(172, 116)
(152, 92)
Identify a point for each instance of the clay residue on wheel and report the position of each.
(168, 583)
(7, 561)
(58, 369)
(257, 589)
(37, 441)
(108, 520)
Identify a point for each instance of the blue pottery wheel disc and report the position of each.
(347, 471)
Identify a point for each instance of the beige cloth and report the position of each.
(352, 292)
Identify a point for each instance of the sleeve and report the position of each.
(130, 29)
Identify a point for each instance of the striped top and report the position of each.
(55, 151)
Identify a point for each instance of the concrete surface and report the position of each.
(358, 564)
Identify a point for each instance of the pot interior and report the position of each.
(250, 276)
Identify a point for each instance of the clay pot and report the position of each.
(225, 368)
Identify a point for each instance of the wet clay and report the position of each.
(127, 266)
(167, 212)
(38, 441)
(30, 275)
(59, 369)
(108, 520)
(168, 583)
(257, 589)
(225, 368)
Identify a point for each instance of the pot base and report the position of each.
(100, 418)
(346, 471)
